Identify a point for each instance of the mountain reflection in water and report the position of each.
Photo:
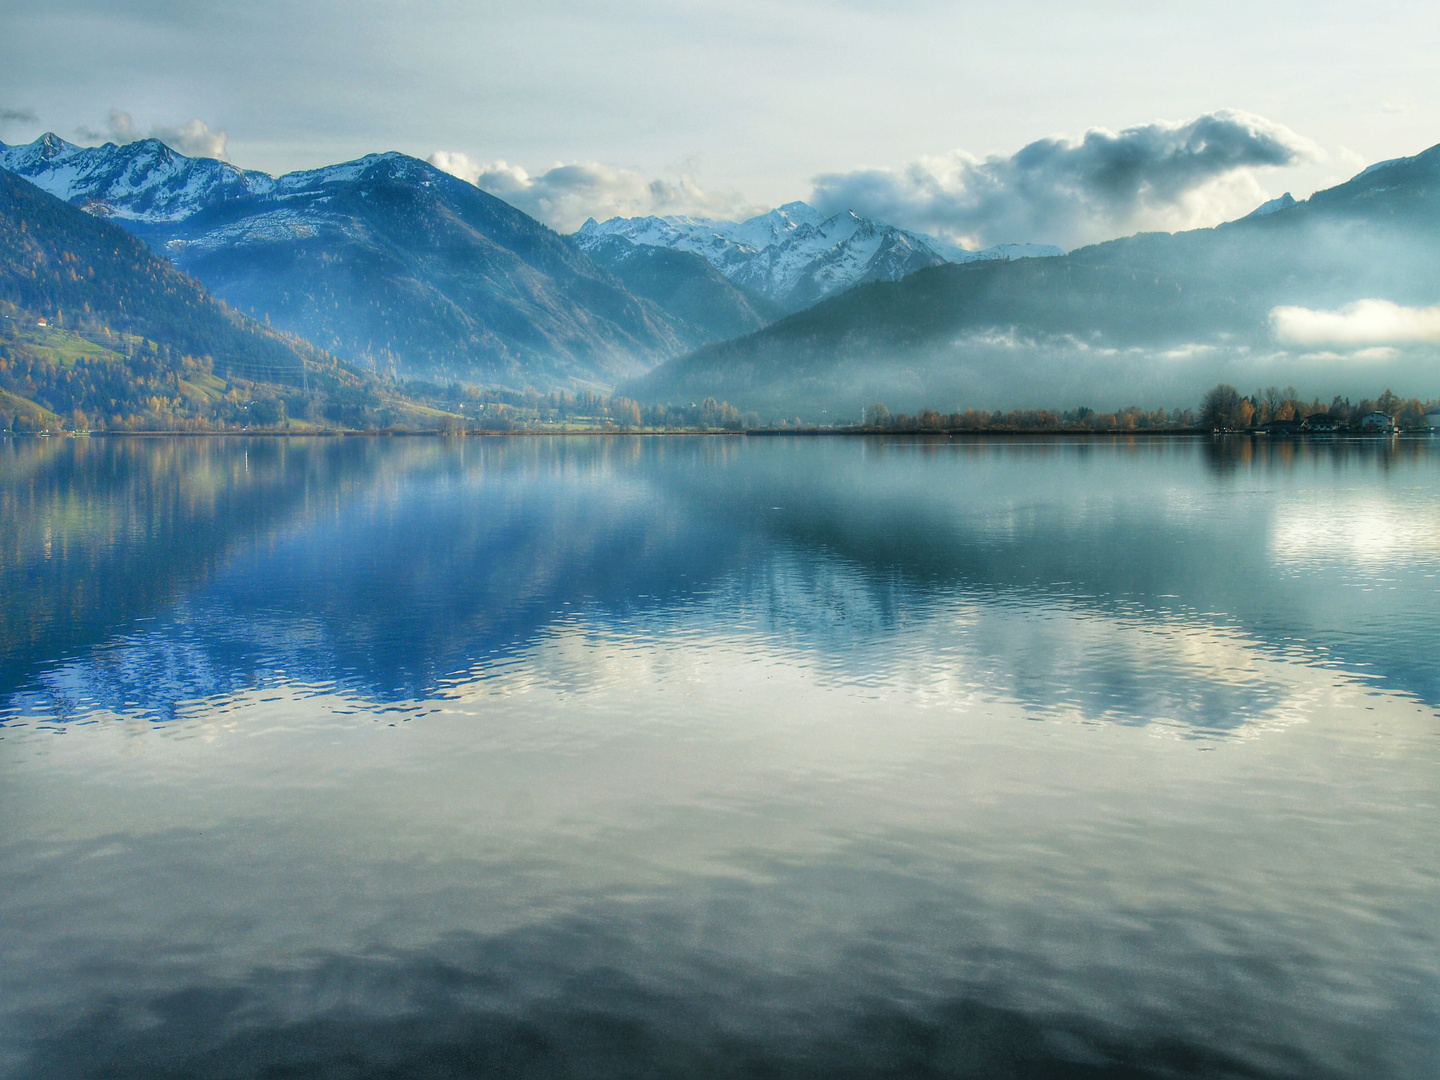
(718, 755)
(145, 572)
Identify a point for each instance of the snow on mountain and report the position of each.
(1274, 206)
(708, 237)
(796, 256)
(1381, 165)
(147, 183)
(142, 181)
(776, 226)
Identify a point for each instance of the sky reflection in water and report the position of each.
(725, 755)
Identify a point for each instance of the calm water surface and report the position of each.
(719, 756)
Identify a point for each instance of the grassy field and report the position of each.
(63, 347)
(11, 405)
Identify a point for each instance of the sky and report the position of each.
(1032, 121)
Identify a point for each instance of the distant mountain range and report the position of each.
(393, 264)
(795, 256)
(396, 266)
(1154, 318)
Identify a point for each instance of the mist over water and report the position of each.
(719, 756)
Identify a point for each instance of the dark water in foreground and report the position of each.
(719, 757)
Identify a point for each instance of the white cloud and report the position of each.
(456, 165)
(1072, 191)
(565, 195)
(1365, 322)
(194, 138)
(1189, 351)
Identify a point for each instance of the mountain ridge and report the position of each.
(796, 256)
(701, 299)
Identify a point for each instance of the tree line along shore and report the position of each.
(454, 410)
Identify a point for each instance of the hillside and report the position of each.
(55, 260)
(384, 261)
(704, 305)
(1152, 319)
(97, 331)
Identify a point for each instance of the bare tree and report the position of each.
(1220, 408)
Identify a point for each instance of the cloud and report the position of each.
(119, 128)
(564, 196)
(19, 116)
(194, 138)
(1073, 191)
(1365, 322)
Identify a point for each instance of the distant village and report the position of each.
(1278, 413)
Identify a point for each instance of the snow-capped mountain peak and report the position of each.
(149, 184)
(143, 181)
(773, 227)
(794, 254)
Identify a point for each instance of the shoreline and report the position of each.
(856, 432)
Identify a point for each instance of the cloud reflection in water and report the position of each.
(646, 757)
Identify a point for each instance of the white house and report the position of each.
(1380, 423)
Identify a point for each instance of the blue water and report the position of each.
(719, 756)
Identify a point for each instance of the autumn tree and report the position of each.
(625, 412)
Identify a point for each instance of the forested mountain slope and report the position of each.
(98, 331)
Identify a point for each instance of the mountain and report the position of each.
(702, 303)
(143, 182)
(794, 255)
(55, 260)
(1152, 319)
(98, 331)
(385, 261)
(1265, 209)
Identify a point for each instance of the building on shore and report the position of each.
(1377, 423)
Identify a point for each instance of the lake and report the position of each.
(719, 756)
